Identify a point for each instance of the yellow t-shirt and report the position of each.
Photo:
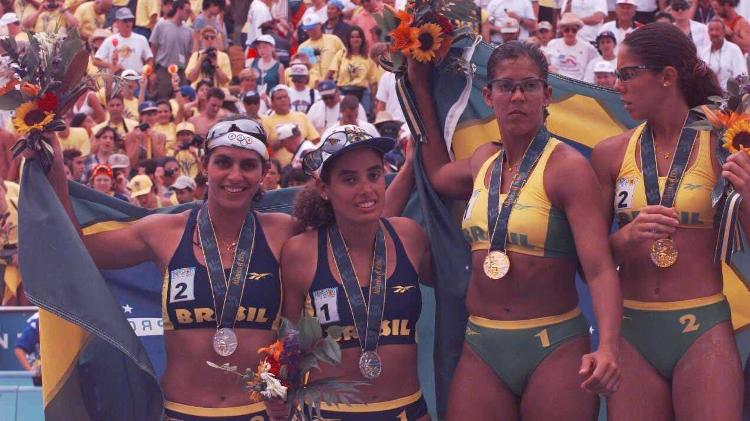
(144, 10)
(329, 45)
(12, 190)
(51, 22)
(120, 3)
(88, 19)
(354, 71)
(222, 60)
(300, 119)
(169, 131)
(24, 8)
(187, 162)
(78, 138)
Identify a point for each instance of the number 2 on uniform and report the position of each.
(690, 323)
(623, 195)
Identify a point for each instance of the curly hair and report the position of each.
(312, 211)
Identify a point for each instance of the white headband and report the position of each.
(239, 140)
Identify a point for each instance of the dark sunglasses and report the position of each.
(567, 29)
(327, 97)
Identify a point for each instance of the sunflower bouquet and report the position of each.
(728, 116)
(283, 372)
(41, 83)
(426, 30)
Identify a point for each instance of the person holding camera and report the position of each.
(144, 142)
(209, 63)
(51, 17)
(188, 150)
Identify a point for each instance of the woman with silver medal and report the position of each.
(657, 181)
(359, 274)
(533, 212)
(222, 292)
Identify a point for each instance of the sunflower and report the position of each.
(430, 37)
(737, 137)
(29, 117)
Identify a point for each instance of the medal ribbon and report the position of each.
(227, 293)
(528, 162)
(676, 169)
(367, 317)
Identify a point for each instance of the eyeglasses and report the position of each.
(328, 97)
(629, 72)
(530, 85)
(209, 37)
(567, 29)
(335, 142)
(245, 79)
(249, 127)
(680, 7)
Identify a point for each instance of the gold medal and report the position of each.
(496, 264)
(664, 252)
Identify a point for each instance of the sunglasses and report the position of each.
(567, 29)
(530, 85)
(337, 141)
(248, 127)
(327, 97)
(629, 72)
(209, 37)
(245, 79)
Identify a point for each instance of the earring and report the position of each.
(325, 197)
(666, 84)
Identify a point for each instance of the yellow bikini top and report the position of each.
(535, 227)
(693, 198)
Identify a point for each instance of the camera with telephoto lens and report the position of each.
(209, 56)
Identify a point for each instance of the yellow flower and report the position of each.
(430, 37)
(737, 137)
(29, 117)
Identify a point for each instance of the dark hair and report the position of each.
(116, 96)
(349, 102)
(663, 14)
(68, 156)
(209, 3)
(661, 45)
(732, 3)
(106, 129)
(203, 82)
(276, 163)
(149, 166)
(514, 50)
(176, 5)
(216, 93)
(78, 119)
(362, 48)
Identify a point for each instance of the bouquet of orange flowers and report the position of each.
(427, 29)
(287, 363)
(728, 116)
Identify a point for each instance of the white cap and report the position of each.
(267, 39)
(9, 18)
(310, 20)
(287, 130)
(604, 67)
(183, 182)
(630, 2)
(299, 70)
(509, 26)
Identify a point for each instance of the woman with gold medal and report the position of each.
(221, 298)
(358, 272)
(678, 354)
(533, 213)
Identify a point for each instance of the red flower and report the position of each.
(275, 367)
(445, 24)
(48, 102)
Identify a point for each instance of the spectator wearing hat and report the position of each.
(301, 96)
(172, 44)
(317, 7)
(94, 42)
(646, 10)
(186, 151)
(300, 57)
(696, 31)
(544, 33)
(130, 80)
(520, 10)
(184, 189)
(292, 141)
(102, 180)
(736, 27)
(15, 31)
(335, 24)
(143, 142)
(212, 113)
(209, 62)
(606, 42)
(51, 17)
(604, 74)
(253, 106)
(569, 55)
(91, 15)
(281, 113)
(183, 95)
(142, 191)
(350, 115)
(353, 70)
(132, 50)
(269, 68)
(248, 81)
(117, 120)
(120, 165)
(624, 22)
(364, 17)
(723, 57)
(259, 13)
(324, 46)
(325, 113)
(505, 30)
(212, 15)
(591, 13)
(388, 126)
(105, 142)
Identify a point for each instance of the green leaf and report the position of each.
(716, 98)
(334, 331)
(11, 100)
(733, 87)
(310, 331)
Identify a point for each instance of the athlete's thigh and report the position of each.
(643, 393)
(707, 382)
(478, 394)
(554, 389)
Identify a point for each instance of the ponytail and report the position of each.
(312, 211)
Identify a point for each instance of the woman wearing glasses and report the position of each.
(534, 211)
(199, 250)
(362, 276)
(209, 62)
(569, 55)
(679, 358)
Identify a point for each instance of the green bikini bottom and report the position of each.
(514, 348)
(663, 331)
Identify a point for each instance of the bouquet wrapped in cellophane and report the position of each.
(41, 83)
(283, 373)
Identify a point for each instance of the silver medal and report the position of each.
(225, 342)
(370, 365)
